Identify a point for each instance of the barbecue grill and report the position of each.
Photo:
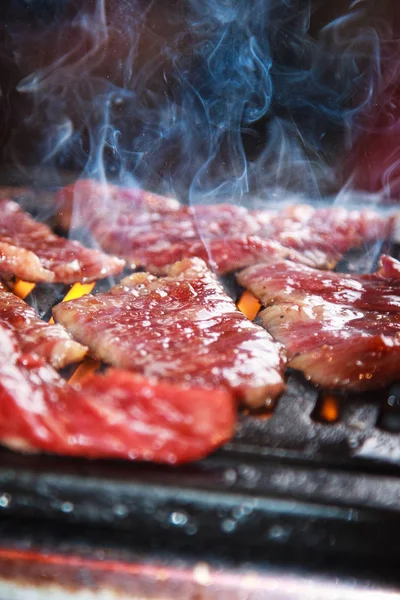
(308, 488)
(303, 503)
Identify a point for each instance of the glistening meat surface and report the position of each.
(50, 342)
(89, 202)
(115, 415)
(31, 251)
(222, 255)
(152, 232)
(342, 331)
(324, 235)
(180, 328)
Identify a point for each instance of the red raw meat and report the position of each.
(342, 331)
(181, 328)
(50, 342)
(31, 251)
(153, 232)
(115, 415)
(140, 238)
(88, 201)
(389, 267)
(223, 255)
(324, 235)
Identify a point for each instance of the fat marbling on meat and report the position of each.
(115, 415)
(31, 251)
(50, 342)
(180, 328)
(150, 231)
(342, 331)
(324, 235)
(93, 203)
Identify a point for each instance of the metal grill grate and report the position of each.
(292, 478)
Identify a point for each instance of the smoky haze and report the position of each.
(197, 98)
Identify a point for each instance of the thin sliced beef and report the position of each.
(223, 256)
(342, 331)
(115, 415)
(152, 232)
(230, 237)
(90, 202)
(389, 267)
(31, 251)
(34, 336)
(157, 240)
(180, 328)
(324, 235)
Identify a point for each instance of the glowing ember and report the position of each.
(249, 305)
(88, 366)
(22, 289)
(330, 408)
(76, 291)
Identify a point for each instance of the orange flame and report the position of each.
(330, 408)
(76, 291)
(249, 305)
(22, 288)
(88, 366)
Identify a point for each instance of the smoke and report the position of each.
(199, 98)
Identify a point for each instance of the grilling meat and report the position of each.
(50, 342)
(180, 328)
(31, 251)
(153, 232)
(324, 235)
(342, 331)
(115, 415)
(389, 267)
(223, 256)
(93, 203)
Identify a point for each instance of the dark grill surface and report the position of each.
(290, 484)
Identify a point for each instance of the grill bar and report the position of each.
(317, 473)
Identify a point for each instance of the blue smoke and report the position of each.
(199, 98)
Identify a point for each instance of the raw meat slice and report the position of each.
(31, 251)
(50, 342)
(223, 256)
(181, 328)
(389, 267)
(89, 201)
(139, 237)
(152, 232)
(115, 415)
(342, 331)
(324, 235)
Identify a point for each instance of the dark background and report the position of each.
(320, 111)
